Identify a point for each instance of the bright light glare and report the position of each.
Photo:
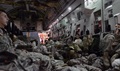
(69, 8)
(117, 14)
(109, 6)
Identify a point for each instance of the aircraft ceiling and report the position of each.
(33, 10)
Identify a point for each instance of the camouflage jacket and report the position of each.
(5, 41)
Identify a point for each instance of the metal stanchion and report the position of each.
(102, 16)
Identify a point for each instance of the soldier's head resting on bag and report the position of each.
(3, 19)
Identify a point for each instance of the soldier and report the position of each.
(6, 45)
(112, 44)
(5, 41)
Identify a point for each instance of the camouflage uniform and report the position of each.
(5, 41)
(112, 50)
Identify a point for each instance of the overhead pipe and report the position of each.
(42, 3)
(102, 15)
(27, 6)
(61, 12)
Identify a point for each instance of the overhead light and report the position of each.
(117, 14)
(109, 6)
(78, 8)
(62, 15)
(50, 26)
(69, 8)
(73, 19)
(55, 22)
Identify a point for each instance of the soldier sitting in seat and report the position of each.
(5, 41)
(112, 50)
